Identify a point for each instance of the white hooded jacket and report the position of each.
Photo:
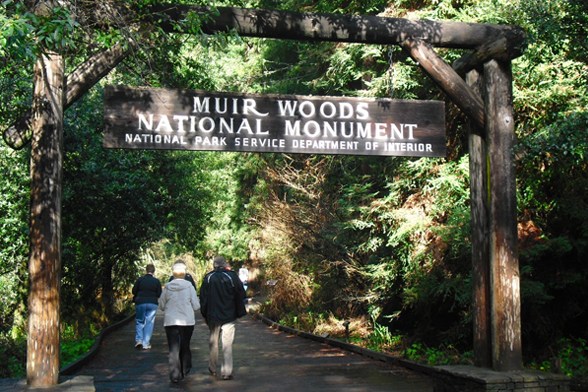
(179, 302)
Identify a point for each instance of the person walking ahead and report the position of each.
(222, 298)
(146, 292)
(179, 302)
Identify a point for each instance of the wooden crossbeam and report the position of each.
(342, 28)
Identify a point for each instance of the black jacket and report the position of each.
(222, 297)
(146, 290)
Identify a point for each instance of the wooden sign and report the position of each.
(141, 118)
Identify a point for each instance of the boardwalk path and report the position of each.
(265, 360)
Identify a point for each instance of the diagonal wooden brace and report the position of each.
(447, 79)
(78, 83)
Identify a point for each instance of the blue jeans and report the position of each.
(144, 322)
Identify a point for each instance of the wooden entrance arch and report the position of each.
(479, 83)
(485, 96)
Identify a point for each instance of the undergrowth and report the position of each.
(569, 358)
(13, 351)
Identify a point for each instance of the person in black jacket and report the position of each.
(146, 292)
(221, 303)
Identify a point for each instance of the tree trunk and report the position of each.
(107, 288)
(45, 224)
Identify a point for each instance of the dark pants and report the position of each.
(180, 357)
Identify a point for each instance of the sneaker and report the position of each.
(138, 345)
(227, 377)
(147, 347)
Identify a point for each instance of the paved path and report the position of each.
(265, 359)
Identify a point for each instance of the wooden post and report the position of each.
(504, 268)
(45, 224)
(479, 227)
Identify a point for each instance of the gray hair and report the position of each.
(219, 262)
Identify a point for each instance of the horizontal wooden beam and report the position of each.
(331, 27)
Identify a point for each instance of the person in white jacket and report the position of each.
(179, 302)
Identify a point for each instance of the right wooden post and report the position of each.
(503, 256)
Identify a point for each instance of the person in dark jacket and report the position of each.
(146, 292)
(221, 304)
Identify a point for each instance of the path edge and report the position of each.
(346, 346)
(452, 378)
(73, 367)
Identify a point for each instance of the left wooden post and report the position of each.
(45, 221)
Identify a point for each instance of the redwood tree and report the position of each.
(45, 220)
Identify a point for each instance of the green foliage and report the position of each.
(97, 238)
(15, 32)
(573, 356)
(554, 167)
(550, 78)
(304, 321)
(72, 347)
(226, 231)
(75, 343)
(422, 267)
(380, 337)
(12, 356)
(334, 6)
(550, 155)
(570, 358)
(25, 33)
(106, 225)
(71, 350)
(446, 355)
(14, 188)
